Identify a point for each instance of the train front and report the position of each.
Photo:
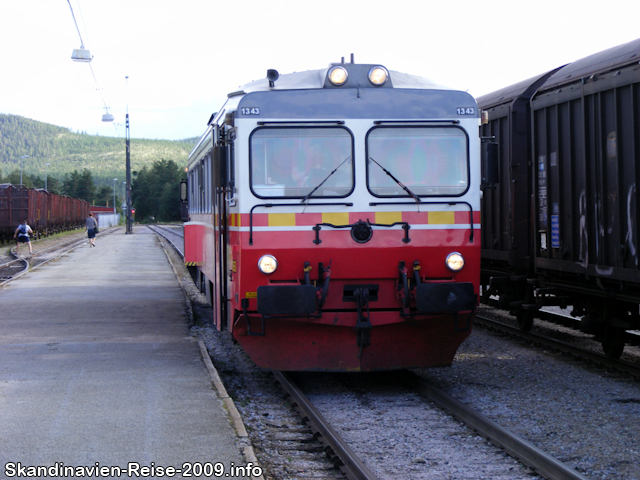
(353, 230)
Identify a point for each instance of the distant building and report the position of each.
(105, 216)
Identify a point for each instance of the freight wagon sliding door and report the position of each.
(506, 207)
(496, 200)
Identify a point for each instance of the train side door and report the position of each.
(220, 180)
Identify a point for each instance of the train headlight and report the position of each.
(455, 261)
(267, 264)
(338, 76)
(378, 75)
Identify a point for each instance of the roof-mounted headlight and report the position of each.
(338, 76)
(378, 76)
(455, 261)
(267, 264)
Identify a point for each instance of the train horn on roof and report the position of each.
(272, 75)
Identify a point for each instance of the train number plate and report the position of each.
(466, 111)
(250, 111)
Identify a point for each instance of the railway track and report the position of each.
(548, 342)
(540, 462)
(13, 269)
(345, 459)
(552, 315)
(175, 236)
(525, 452)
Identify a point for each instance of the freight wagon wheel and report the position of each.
(525, 320)
(613, 342)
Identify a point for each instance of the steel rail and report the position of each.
(16, 275)
(35, 254)
(595, 358)
(351, 465)
(565, 320)
(523, 451)
(11, 262)
(176, 247)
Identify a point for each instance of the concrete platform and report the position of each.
(98, 369)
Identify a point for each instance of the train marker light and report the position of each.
(455, 261)
(338, 76)
(267, 264)
(378, 76)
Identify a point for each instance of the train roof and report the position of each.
(600, 62)
(524, 89)
(597, 63)
(357, 77)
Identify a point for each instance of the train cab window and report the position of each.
(297, 162)
(429, 161)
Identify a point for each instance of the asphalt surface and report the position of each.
(98, 369)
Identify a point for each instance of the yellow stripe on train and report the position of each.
(388, 218)
(343, 218)
(282, 219)
(336, 218)
(441, 218)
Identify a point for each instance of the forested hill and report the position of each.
(66, 151)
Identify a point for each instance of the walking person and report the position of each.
(92, 228)
(22, 236)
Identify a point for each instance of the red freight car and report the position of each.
(45, 212)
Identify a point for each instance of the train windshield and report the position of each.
(301, 162)
(429, 161)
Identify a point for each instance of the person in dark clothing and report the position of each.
(91, 226)
(22, 236)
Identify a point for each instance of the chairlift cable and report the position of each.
(95, 79)
(76, 23)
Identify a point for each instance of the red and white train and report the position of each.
(334, 219)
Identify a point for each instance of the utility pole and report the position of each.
(129, 225)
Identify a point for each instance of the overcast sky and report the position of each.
(182, 57)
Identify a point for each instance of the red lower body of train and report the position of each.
(335, 304)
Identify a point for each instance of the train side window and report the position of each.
(430, 161)
(207, 184)
(192, 196)
(288, 162)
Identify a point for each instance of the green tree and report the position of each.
(104, 197)
(53, 185)
(14, 179)
(86, 187)
(70, 184)
(155, 191)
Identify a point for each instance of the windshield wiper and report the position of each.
(403, 186)
(325, 179)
